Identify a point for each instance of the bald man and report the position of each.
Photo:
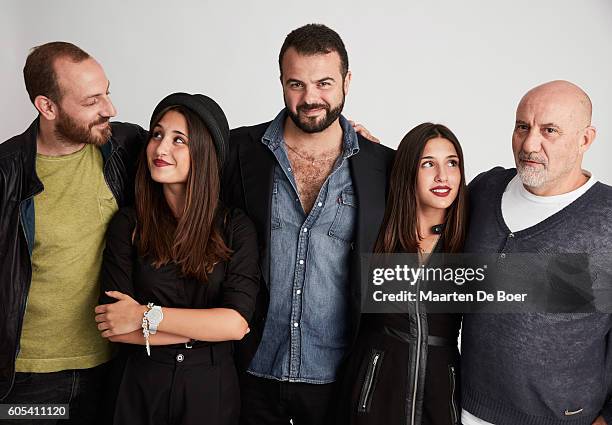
(541, 368)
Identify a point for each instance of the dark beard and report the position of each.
(312, 125)
(69, 130)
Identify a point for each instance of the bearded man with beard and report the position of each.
(315, 190)
(61, 181)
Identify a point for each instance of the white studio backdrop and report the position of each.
(464, 64)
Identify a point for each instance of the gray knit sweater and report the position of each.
(538, 369)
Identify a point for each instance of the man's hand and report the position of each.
(363, 131)
(600, 421)
(120, 318)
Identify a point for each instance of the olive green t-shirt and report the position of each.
(71, 215)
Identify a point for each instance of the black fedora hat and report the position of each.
(209, 112)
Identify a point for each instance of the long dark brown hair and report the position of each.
(193, 241)
(400, 228)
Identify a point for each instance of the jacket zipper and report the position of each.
(453, 405)
(366, 390)
(418, 350)
(418, 356)
(25, 303)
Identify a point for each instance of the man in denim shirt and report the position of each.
(316, 192)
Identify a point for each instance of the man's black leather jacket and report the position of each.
(18, 186)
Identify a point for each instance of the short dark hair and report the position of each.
(313, 39)
(39, 70)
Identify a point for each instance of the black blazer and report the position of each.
(247, 181)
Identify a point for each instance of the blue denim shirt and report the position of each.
(307, 328)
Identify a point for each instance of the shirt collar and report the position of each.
(273, 137)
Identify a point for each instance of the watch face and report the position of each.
(155, 315)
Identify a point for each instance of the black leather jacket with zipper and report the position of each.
(387, 371)
(18, 186)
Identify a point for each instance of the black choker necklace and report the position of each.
(437, 229)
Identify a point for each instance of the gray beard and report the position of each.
(531, 178)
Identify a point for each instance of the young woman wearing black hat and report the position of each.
(180, 275)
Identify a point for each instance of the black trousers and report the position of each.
(272, 402)
(183, 386)
(86, 391)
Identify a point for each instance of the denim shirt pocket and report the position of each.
(275, 214)
(343, 226)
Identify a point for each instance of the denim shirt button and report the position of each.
(320, 204)
(296, 324)
(299, 291)
(301, 261)
(305, 229)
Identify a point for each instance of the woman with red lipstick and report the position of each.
(180, 275)
(404, 367)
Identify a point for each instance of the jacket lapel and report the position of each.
(370, 181)
(257, 173)
(369, 175)
(33, 185)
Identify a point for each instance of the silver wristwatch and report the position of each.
(154, 316)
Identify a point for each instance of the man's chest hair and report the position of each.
(310, 177)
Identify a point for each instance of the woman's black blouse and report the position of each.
(232, 284)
